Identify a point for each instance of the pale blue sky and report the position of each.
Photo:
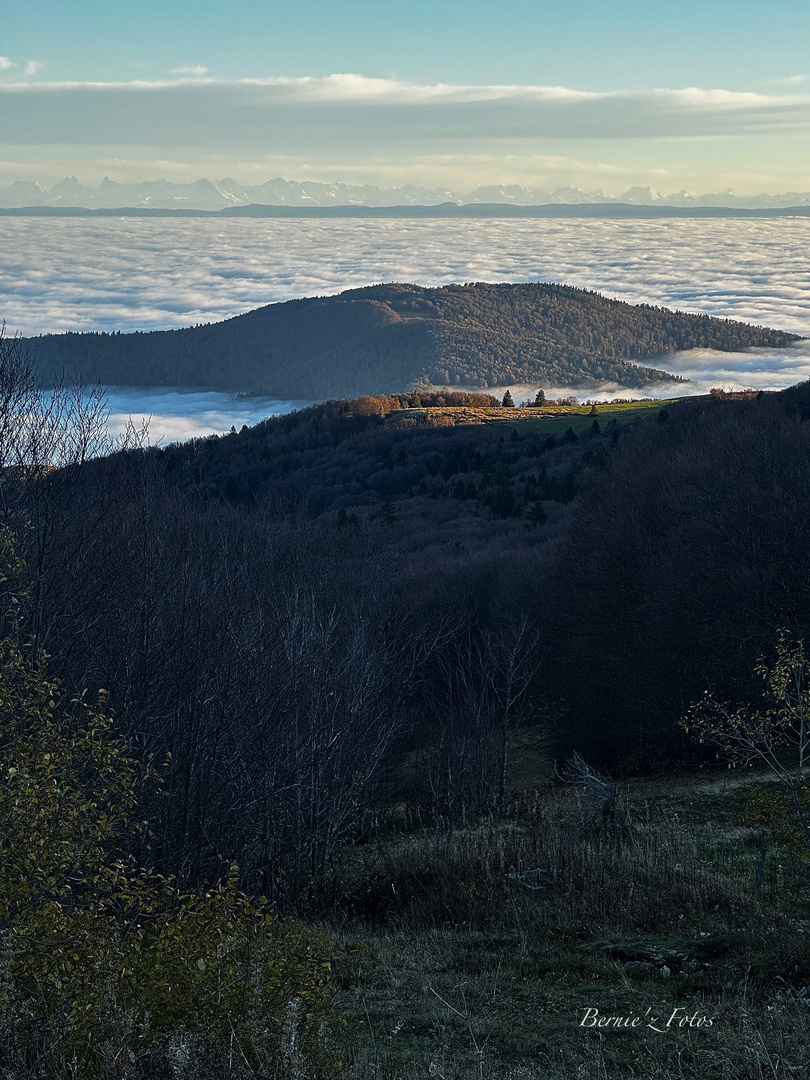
(196, 115)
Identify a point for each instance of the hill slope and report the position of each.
(392, 337)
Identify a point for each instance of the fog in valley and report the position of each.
(176, 414)
(134, 274)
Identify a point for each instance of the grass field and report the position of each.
(549, 420)
(450, 969)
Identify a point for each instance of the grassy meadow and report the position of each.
(546, 420)
(448, 968)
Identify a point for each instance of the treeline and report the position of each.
(275, 667)
(284, 617)
(390, 337)
(277, 655)
(684, 559)
(344, 455)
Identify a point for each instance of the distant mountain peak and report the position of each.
(204, 194)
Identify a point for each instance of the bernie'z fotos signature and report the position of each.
(678, 1018)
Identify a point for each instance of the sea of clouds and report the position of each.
(140, 274)
(173, 415)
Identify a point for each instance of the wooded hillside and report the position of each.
(329, 660)
(389, 338)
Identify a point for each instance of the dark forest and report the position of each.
(328, 644)
(391, 338)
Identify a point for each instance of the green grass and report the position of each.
(550, 420)
(448, 968)
(556, 420)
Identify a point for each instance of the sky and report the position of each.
(707, 96)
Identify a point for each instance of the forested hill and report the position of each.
(388, 338)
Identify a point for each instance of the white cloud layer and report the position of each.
(697, 137)
(175, 415)
(199, 110)
(127, 274)
(349, 87)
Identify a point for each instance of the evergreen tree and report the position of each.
(536, 513)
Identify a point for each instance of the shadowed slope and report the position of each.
(388, 338)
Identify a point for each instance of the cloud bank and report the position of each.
(244, 112)
(176, 415)
(128, 274)
(379, 124)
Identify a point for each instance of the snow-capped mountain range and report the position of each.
(216, 195)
